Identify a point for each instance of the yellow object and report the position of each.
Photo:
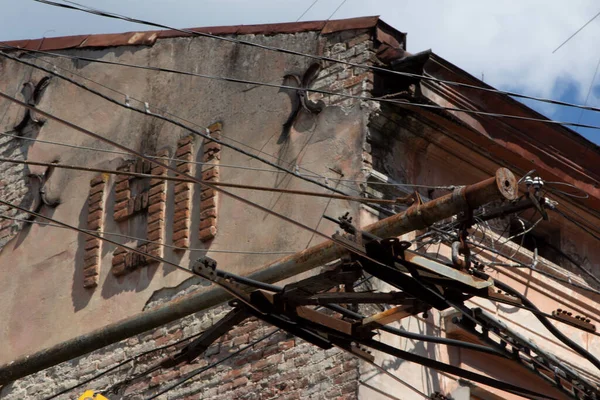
(91, 395)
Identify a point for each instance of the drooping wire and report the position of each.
(401, 103)
(307, 10)
(211, 250)
(126, 361)
(169, 120)
(90, 10)
(336, 10)
(576, 32)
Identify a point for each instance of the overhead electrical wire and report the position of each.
(202, 182)
(169, 120)
(401, 103)
(90, 10)
(307, 10)
(120, 364)
(576, 32)
(208, 250)
(309, 173)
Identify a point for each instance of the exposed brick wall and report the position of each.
(354, 47)
(209, 197)
(13, 187)
(281, 367)
(95, 219)
(183, 193)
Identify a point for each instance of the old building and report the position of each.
(380, 125)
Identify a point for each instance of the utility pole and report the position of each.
(502, 186)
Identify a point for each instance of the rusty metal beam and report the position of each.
(502, 186)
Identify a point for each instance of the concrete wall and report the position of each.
(44, 300)
(42, 288)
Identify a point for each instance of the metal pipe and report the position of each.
(502, 186)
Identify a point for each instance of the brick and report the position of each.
(181, 234)
(156, 182)
(118, 259)
(152, 218)
(185, 140)
(92, 243)
(157, 189)
(241, 381)
(155, 236)
(183, 150)
(157, 198)
(90, 282)
(91, 259)
(95, 224)
(156, 208)
(139, 166)
(95, 198)
(183, 242)
(184, 168)
(208, 203)
(102, 178)
(210, 174)
(359, 39)
(162, 153)
(95, 206)
(182, 187)
(156, 225)
(121, 178)
(182, 214)
(123, 195)
(356, 80)
(90, 271)
(120, 215)
(123, 185)
(179, 225)
(208, 233)
(182, 205)
(211, 157)
(97, 189)
(207, 193)
(210, 213)
(119, 250)
(211, 146)
(95, 215)
(119, 269)
(158, 170)
(121, 205)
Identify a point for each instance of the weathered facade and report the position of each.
(60, 284)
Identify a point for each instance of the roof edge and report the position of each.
(148, 38)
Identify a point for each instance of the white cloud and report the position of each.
(509, 41)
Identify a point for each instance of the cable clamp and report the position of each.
(147, 108)
(127, 101)
(326, 181)
(535, 258)
(296, 169)
(207, 131)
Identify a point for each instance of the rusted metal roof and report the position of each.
(148, 38)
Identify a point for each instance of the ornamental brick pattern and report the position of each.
(153, 201)
(95, 221)
(211, 154)
(157, 207)
(183, 194)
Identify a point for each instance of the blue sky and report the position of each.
(510, 43)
